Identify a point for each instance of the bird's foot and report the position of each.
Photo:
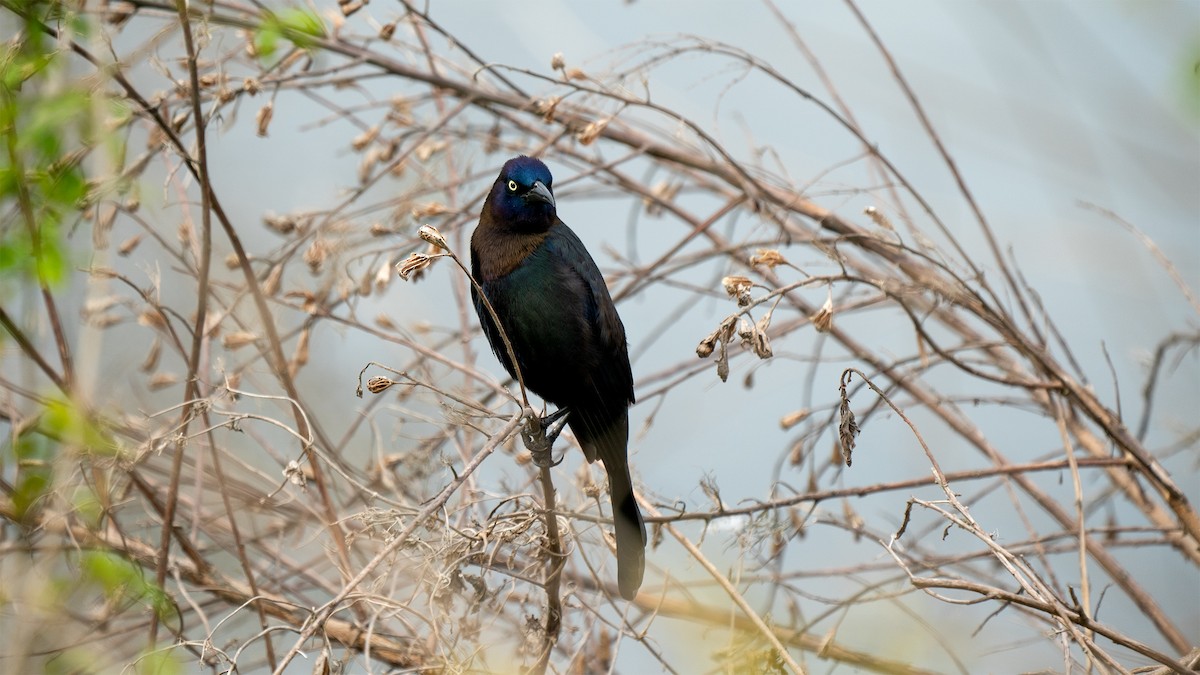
(553, 424)
(539, 437)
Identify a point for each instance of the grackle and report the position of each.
(568, 340)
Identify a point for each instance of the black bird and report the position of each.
(568, 340)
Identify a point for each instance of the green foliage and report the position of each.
(122, 581)
(299, 26)
(159, 662)
(74, 427)
(45, 131)
(34, 473)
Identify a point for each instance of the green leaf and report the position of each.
(159, 662)
(266, 40)
(122, 579)
(300, 26)
(34, 473)
(64, 420)
(66, 186)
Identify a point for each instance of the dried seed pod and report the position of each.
(238, 339)
(162, 381)
(761, 343)
(152, 318)
(847, 428)
(365, 138)
(270, 285)
(301, 355)
(433, 237)
(793, 418)
(383, 275)
(126, 247)
(429, 209)
(376, 385)
(151, 361)
(263, 118)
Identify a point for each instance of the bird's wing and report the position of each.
(600, 314)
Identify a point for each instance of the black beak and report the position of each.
(540, 193)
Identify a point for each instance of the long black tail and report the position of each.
(609, 444)
(630, 530)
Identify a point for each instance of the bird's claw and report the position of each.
(539, 437)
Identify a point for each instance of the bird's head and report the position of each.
(522, 197)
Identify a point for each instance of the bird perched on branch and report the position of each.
(569, 342)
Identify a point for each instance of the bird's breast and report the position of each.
(499, 255)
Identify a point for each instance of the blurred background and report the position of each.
(1072, 126)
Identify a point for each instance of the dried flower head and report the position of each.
(591, 132)
(546, 107)
(738, 287)
(293, 473)
(365, 138)
(315, 256)
(284, 224)
(663, 192)
(768, 257)
(308, 300)
(822, 319)
(152, 318)
(415, 263)
(558, 61)
(879, 219)
(386, 31)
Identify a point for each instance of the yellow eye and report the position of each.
(512, 186)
